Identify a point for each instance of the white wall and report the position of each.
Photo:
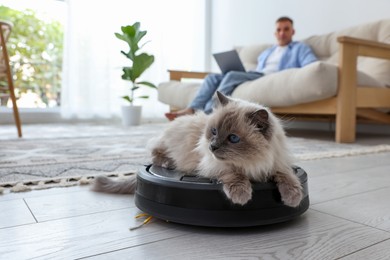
(241, 22)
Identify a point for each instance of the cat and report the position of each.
(238, 143)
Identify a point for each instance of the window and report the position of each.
(91, 76)
(35, 48)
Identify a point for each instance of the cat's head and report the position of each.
(238, 131)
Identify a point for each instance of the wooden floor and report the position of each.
(349, 218)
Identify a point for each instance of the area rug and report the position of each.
(67, 155)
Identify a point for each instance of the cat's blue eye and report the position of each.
(214, 130)
(233, 138)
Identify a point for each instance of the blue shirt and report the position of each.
(297, 55)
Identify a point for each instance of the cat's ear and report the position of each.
(259, 115)
(259, 118)
(223, 100)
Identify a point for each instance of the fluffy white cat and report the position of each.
(238, 143)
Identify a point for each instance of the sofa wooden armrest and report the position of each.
(180, 74)
(351, 99)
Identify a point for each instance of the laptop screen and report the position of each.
(228, 61)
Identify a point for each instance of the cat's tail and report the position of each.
(105, 184)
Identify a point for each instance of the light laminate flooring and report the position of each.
(349, 218)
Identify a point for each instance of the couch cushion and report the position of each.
(176, 93)
(313, 82)
(289, 87)
(248, 54)
(326, 47)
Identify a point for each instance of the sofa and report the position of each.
(349, 83)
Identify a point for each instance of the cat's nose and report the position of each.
(213, 147)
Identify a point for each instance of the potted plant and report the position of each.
(132, 35)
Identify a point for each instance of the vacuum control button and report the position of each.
(196, 179)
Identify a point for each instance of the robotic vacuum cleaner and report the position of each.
(188, 199)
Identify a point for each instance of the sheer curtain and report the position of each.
(92, 83)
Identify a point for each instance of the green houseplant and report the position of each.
(140, 62)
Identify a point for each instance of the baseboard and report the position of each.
(370, 128)
(53, 115)
(31, 115)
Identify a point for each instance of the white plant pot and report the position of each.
(131, 115)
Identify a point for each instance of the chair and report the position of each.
(7, 91)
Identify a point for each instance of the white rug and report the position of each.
(67, 155)
(310, 149)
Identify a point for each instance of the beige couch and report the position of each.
(350, 81)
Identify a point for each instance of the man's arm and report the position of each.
(306, 55)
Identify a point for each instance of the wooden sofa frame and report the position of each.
(351, 101)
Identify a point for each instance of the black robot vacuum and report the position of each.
(188, 199)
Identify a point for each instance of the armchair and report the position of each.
(350, 82)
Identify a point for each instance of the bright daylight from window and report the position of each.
(35, 48)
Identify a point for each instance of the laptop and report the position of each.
(228, 61)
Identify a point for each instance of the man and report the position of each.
(286, 54)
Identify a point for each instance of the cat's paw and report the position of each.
(238, 193)
(291, 194)
(170, 165)
(164, 162)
